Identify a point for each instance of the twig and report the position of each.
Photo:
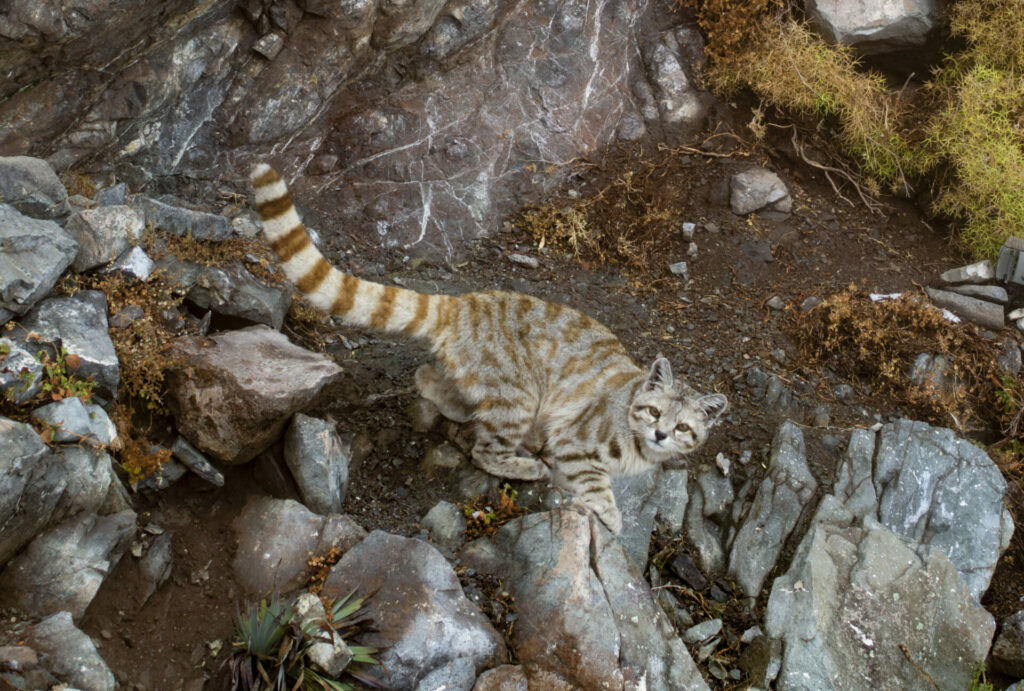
(923, 674)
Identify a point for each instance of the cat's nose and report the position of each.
(659, 435)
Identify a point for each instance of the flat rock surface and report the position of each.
(233, 394)
(35, 254)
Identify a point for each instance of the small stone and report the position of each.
(688, 230)
(524, 260)
(776, 303)
(137, 550)
(269, 45)
(443, 456)
(722, 461)
(196, 462)
(707, 649)
(691, 250)
(750, 634)
(684, 567)
(979, 271)
(112, 196)
(711, 227)
(125, 317)
(990, 293)
(810, 303)
(133, 261)
(702, 631)
(1016, 314)
(680, 269)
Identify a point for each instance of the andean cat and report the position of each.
(549, 391)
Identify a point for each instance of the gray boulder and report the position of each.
(319, 463)
(102, 234)
(34, 255)
(423, 619)
(758, 188)
(943, 492)
(230, 290)
(180, 221)
(783, 495)
(1008, 650)
(858, 601)
(62, 569)
(69, 654)
(457, 675)
(20, 371)
(233, 394)
(75, 422)
(79, 324)
(134, 262)
(62, 484)
(276, 537)
(875, 26)
(32, 187)
(589, 619)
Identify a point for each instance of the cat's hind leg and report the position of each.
(582, 474)
(443, 393)
(501, 427)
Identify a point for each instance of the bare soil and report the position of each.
(713, 327)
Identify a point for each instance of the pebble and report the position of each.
(688, 229)
(722, 461)
(1016, 314)
(776, 302)
(750, 634)
(680, 269)
(980, 271)
(810, 303)
(691, 250)
(702, 631)
(711, 227)
(524, 260)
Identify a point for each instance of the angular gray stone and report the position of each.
(1008, 650)
(592, 621)
(875, 26)
(33, 255)
(678, 101)
(972, 309)
(63, 568)
(69, 654)
(269, 45)
(181, 221)
(780, 500)
(990, 293)
(233, 394)
(757, 188)
(32, 187)
(703, 631)
(943, 492)
(62, 484)
(135, 262)
(446, 524)
(502, 678)
(319, 463)
(423, 619)
(20, 372)
(329, 653)
(76, 422)
(79, 324)
(858, 601)
(114, 195)
(457, 675)
(230, 290)
(102, 234)
(276, 537)
(979, 271)
(670, 499)
(634, 495)
(156, 565)
(707, 518)
(196, 462)
(854, 486)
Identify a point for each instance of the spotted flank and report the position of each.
(550, 393)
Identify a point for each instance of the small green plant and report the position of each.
(59, 381)
(272, 646)
(978, 680)
(484, 519)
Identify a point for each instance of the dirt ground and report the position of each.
(713, 327)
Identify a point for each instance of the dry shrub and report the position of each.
(879, 341)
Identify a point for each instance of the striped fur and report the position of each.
(550, 392)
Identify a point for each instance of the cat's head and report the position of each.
(668, 418)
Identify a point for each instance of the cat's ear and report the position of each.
(713, 406)
(661, 375)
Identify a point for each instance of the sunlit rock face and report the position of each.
(415, 125)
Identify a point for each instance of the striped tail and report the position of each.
(358, 302)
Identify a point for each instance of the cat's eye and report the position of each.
(682, 427)
(653, 412)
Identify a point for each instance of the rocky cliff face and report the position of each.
(432, 118)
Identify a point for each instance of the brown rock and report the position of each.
(233, 394)
(503, 678)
